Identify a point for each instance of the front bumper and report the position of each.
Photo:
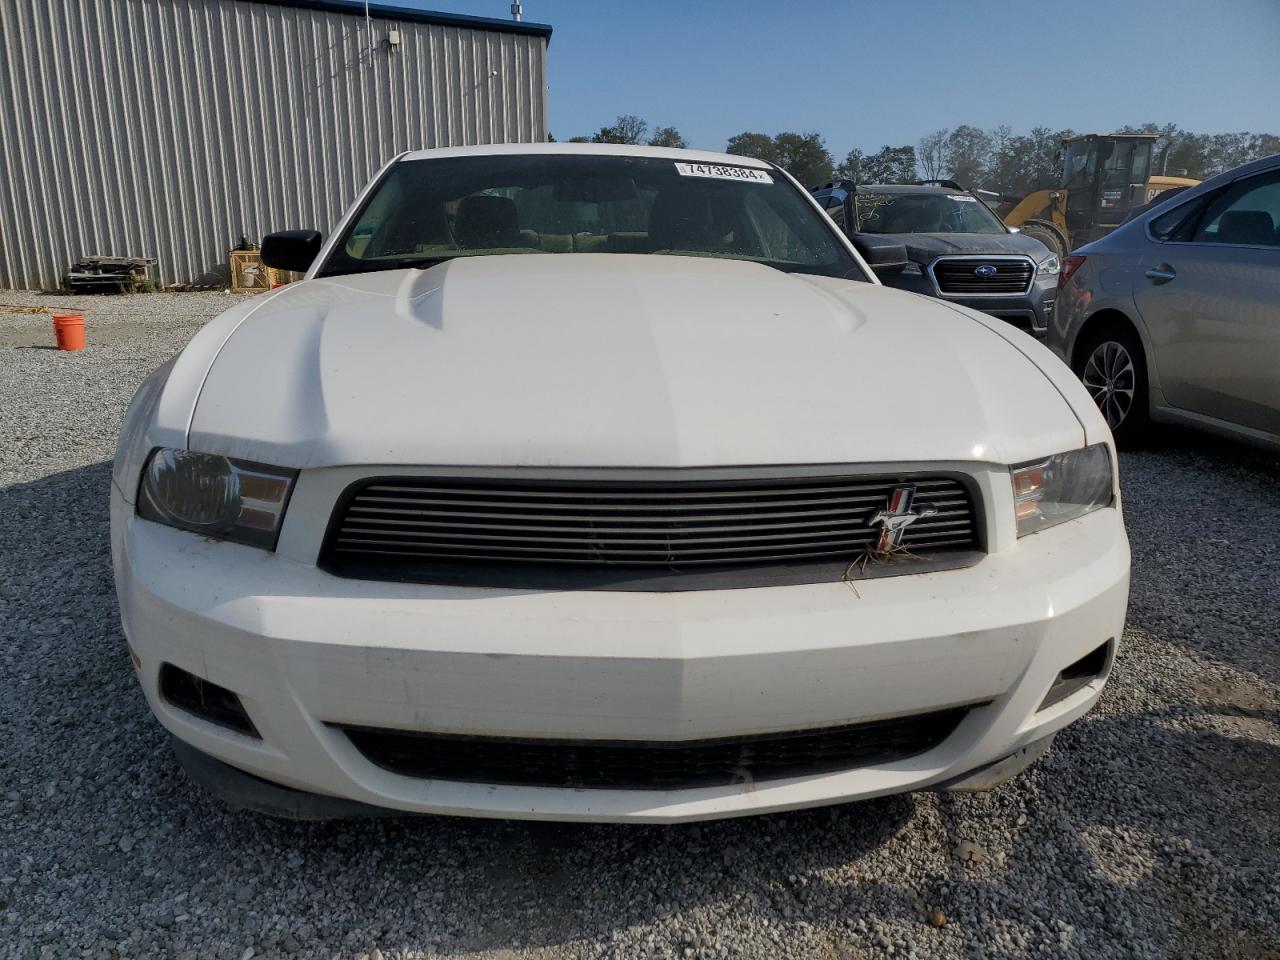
(305, 650)
(1032, 312)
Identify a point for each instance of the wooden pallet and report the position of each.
(96, 272)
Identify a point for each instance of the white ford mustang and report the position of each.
(607, 483)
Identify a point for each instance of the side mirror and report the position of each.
(883, 255)
(292, 250)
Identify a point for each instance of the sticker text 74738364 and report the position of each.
(720, 172)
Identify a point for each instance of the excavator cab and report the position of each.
(1105, 178)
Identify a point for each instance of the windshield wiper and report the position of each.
(424, 263)
(374, 266)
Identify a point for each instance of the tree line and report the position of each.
(998, 159)
(629, 128)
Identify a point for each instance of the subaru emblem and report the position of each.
(986, 271)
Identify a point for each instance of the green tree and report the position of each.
(968, 155)
(757, 145)
(931, 152)
(628, 128)
(851, 168)
(1264, 145)
(1005, 163)
(890, 165)
(667, 137)
(1179, 152)
(803, 155)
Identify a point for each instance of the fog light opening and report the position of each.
(206, 700)
(1080, 674)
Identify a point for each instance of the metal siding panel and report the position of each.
(36, 176)
(17, 217)
(431, 80)
(319, 157)
(8, 196)
(170, 207)
(95, 131)
(166, 127)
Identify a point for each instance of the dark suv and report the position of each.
(938, 239)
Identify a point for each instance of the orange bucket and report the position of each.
(69, 329)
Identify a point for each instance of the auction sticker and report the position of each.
(719, 172)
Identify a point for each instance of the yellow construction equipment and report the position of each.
(1105, 179)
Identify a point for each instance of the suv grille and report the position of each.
(636, 535)
(649, 765)
(956, 276)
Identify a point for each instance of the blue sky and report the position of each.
(865, 73)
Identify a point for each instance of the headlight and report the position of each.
(912, 269)
(215, 496)
(1049, 266)
(1061, 488)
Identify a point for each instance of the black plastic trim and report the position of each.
(653, 765)
(1078, 675)
(241, 790)
(992, 775)
(552, 576)
(531, 576)
(205, 699)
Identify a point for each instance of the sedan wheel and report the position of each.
(1112, 380)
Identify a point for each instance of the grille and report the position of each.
(647, 765)
(956, 276)
(555, 533)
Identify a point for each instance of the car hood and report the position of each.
(923, 247)
(620, 360)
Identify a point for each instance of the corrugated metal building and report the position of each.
(169, 128)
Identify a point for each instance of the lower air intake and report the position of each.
(650, 765)
(204, 699)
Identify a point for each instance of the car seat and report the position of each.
(1253, 227)
(485, 221)
(682, 219)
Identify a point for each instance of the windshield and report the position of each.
(924, 213)
(1080, 164)
(427, 211)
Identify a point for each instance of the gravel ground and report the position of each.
(1151, 830)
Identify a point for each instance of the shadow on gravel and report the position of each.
(1204, 523)
(538, 885)
(1161, 830)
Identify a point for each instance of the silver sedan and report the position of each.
(1175, 315)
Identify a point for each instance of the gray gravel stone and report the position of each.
(1150, 831)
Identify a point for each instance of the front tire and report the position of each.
(1113, 368)
(1050, 234)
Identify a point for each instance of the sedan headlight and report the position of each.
(912, 269)
(1061, 488)
(215, 496)
(1049, 266)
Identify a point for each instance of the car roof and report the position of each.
(927, 188)
(903, 188)
(587, 149)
